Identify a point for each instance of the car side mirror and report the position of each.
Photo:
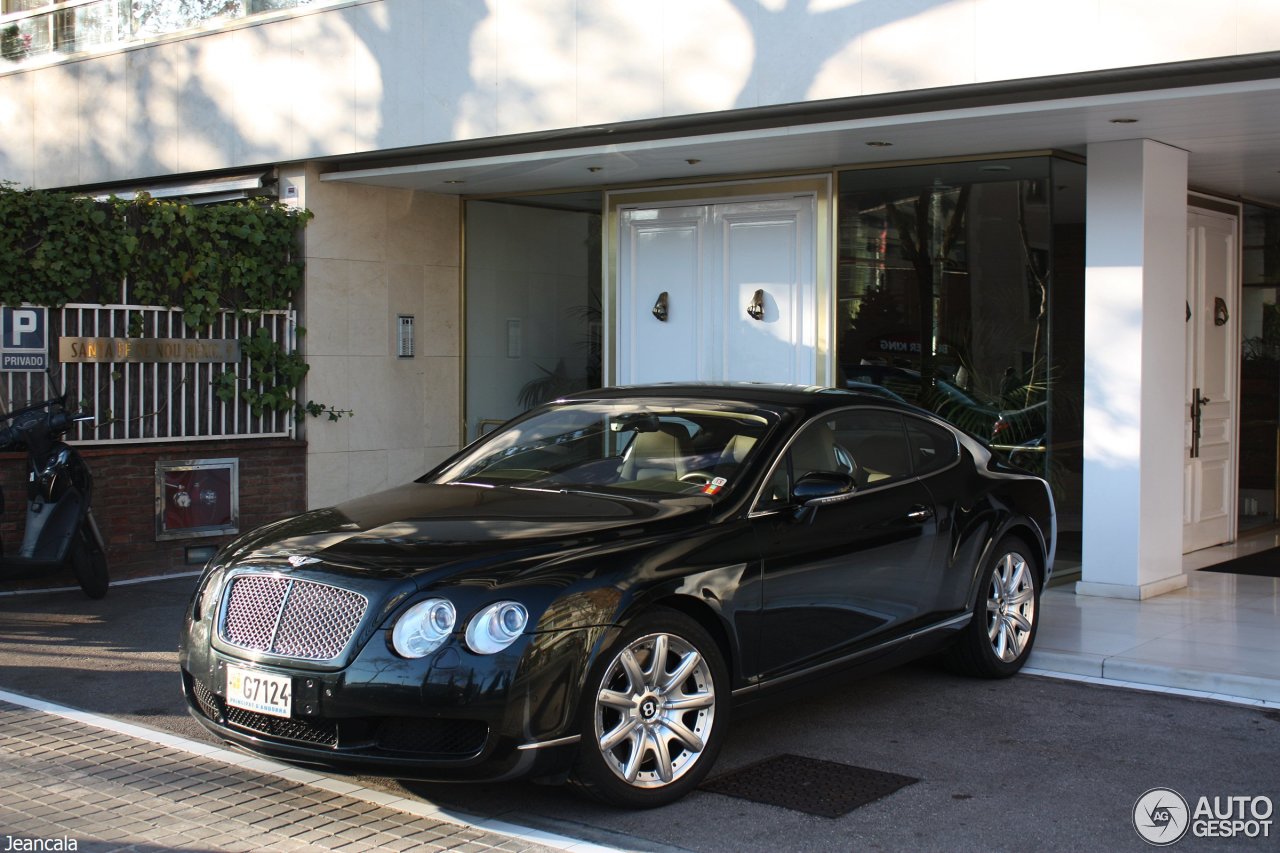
(822, 487)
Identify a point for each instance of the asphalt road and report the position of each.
(1027, 763)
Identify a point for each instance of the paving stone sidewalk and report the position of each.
(63, 780)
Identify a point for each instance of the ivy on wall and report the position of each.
(57, 247)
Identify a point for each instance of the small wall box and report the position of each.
(197, 497)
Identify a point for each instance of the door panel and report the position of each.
(660, 251)
(1212, 353)
(763, 253)
(841, 575)
(858, 569)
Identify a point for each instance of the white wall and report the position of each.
(380, 74)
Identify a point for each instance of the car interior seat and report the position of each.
(660, 453)
(883, 457)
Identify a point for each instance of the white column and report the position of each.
(1135, 294)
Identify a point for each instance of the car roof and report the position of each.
(811, 398)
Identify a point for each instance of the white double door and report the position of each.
(718, 292)
(1213, 351)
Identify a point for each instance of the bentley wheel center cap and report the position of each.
(649, 708)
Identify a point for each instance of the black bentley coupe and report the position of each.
(588, 591)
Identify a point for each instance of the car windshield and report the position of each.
(642, 448)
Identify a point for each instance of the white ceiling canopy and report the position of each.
(1230, 130)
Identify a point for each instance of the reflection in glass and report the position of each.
(946, 296)
(1260, 369)
(533, 304)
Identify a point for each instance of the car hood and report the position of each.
(418, 529)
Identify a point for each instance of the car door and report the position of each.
(852, 573)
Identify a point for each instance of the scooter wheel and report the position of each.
(90, 567)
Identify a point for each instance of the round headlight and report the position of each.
(496, 627)
(423, 628)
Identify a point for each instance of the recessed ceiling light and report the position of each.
(693, 161)
(1123, 120)
(594, 168)
(455, 181)
(995, 167)
(879, 143)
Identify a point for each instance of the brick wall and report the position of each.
(272, 486)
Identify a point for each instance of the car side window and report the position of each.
(932, 447)
(877, 442)
(867, 444)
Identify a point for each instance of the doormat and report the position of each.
(809, 785)
(1262, 563)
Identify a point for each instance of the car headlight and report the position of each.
(423, 628)
(496, 627)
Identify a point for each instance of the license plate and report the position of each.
(255, 690)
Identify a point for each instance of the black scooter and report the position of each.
(60, 529)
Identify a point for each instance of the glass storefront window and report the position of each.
(949, 277)
(1260, 369)
(533, 278)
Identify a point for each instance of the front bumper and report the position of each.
(451, 716)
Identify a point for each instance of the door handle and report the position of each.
(1197, 410)
(920, 514)
(660, 307)
(756, 309)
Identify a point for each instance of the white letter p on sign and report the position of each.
(25, 321)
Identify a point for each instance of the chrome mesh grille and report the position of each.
(290, 617)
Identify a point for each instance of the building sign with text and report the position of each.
(148, 350)
(24, 338)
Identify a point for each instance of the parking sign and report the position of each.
(24, 338)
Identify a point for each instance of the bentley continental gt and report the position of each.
(588, 592)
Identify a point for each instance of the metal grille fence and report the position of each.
(135, 402)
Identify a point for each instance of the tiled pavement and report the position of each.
(61, 778)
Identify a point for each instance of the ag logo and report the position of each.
(1161, 816)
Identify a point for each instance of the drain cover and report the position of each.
(810, 785)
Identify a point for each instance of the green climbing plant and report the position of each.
(58, 247)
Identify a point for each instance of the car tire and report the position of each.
(631, 703)
(998, 639)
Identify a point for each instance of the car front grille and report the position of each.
(321, 734)
(210, 705)
(435, 737)
(290, 617)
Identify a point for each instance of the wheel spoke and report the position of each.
(632, 667)
(1020, 621)
(688, 664)
(614, 699)
(639, 746)
(1014, 582)
(690, 701)
(662, 756)
(1002, 641)
(1022, 596)
(1016, 641)
(681, 732)
(658, 663)
(1006, 569)
(623, 731)
(993, 605)
(993, 629)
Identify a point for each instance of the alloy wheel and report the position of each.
(655, 710)
(1011, 607)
